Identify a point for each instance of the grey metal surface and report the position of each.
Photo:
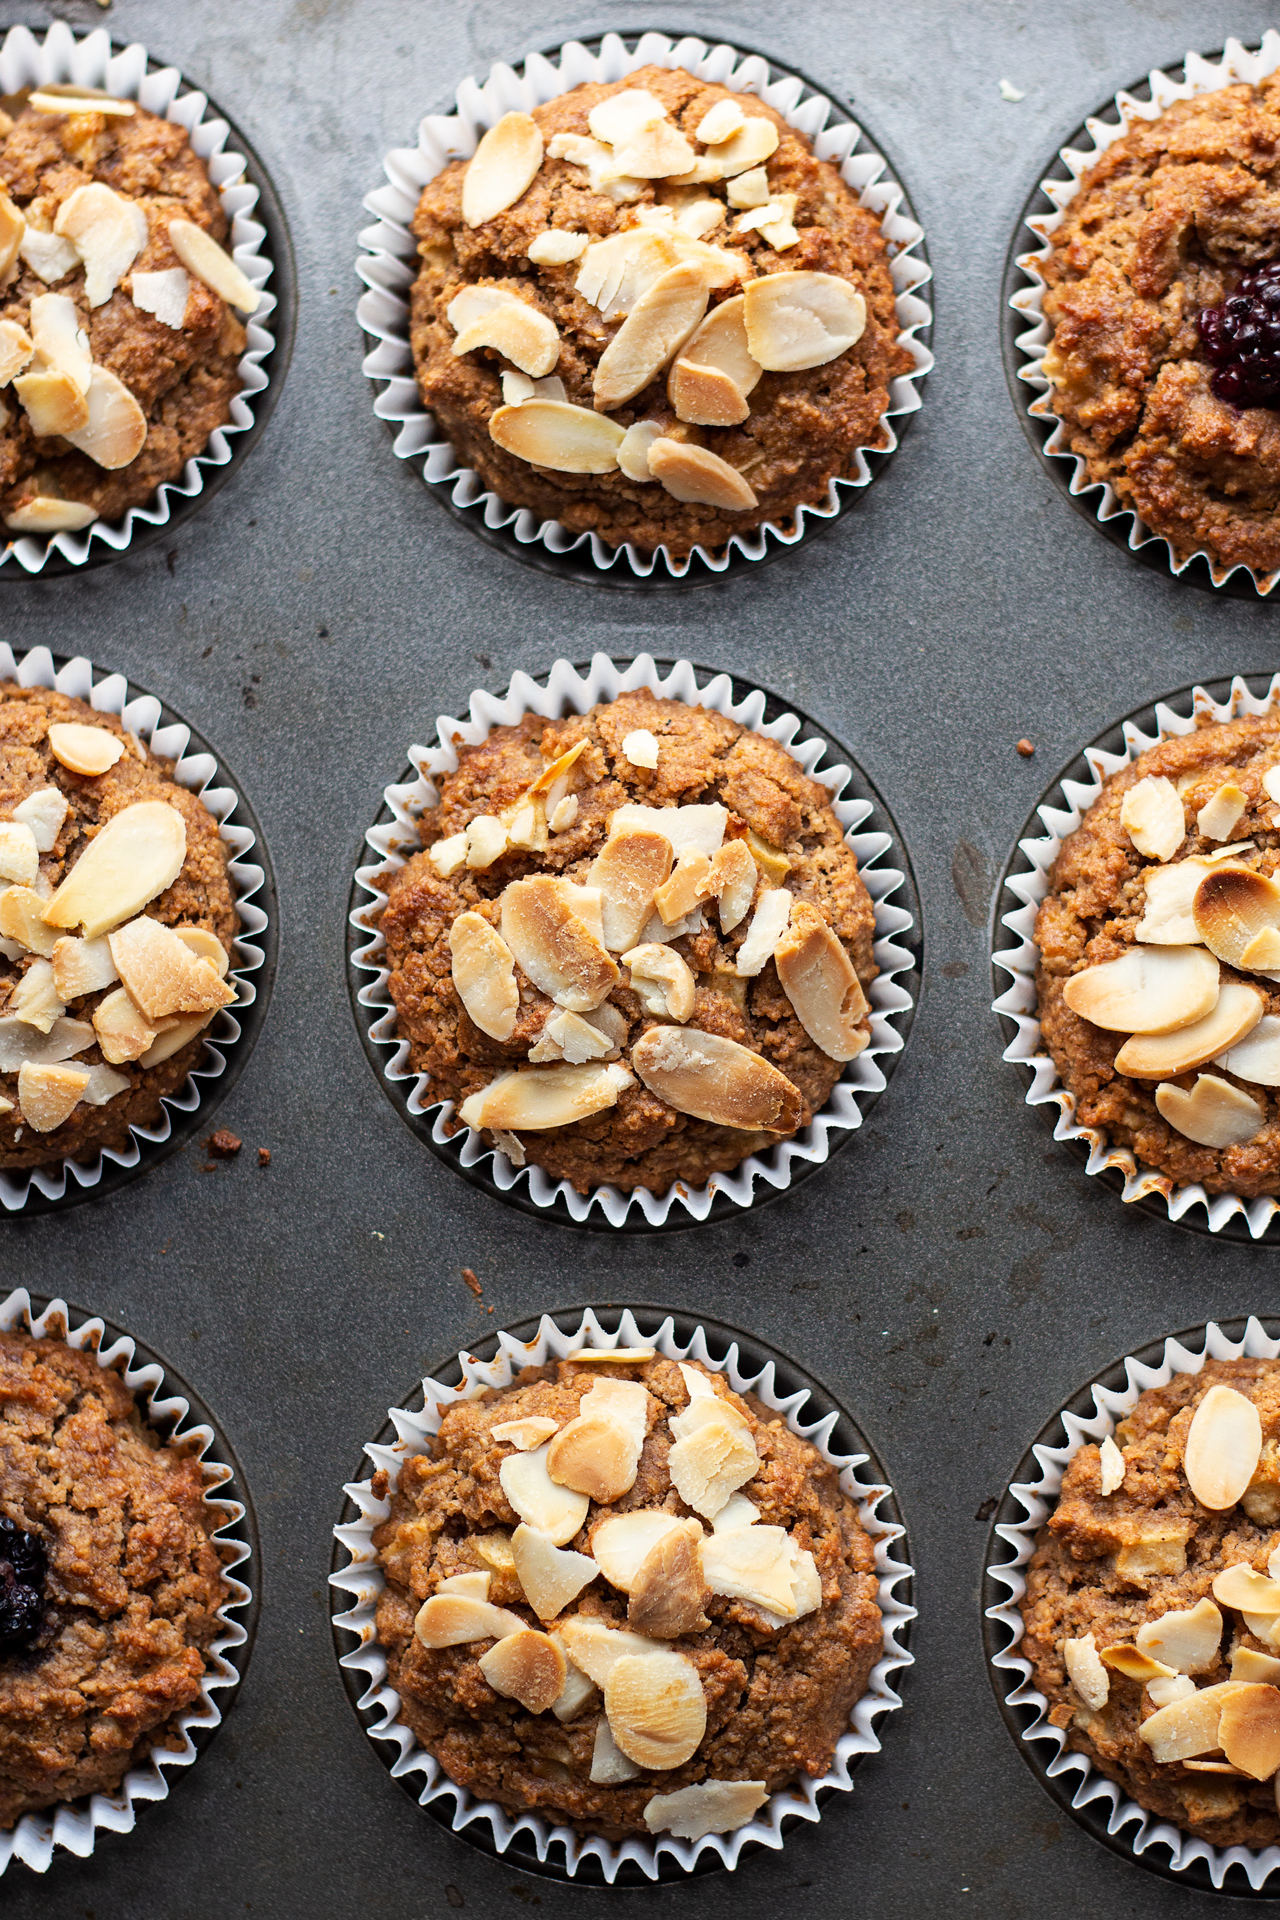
(953, 1276)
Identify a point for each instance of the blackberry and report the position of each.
(22, 1572)
(1242, 339)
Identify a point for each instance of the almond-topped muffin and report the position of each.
(117, 920)
(623, 1595)
(636, 947)
(1152, 1608)
(648, 311)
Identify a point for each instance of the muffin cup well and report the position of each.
(64, 1182)
(167, 1404)
(1201, 76)
(1097, 1802)
(1027, 879)
(360, 1577)
(388, 266)
(129, 75)
(569, 691)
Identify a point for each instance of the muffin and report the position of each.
(119, 342)
(1152, 1604)
(111, 1583)
(117, 920)
(1163, 298)
(624, 1596)
(648, 311)
(635, 947)
(1158, 976)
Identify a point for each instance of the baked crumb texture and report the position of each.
(1166, 223)
(133, 1587)
(1152, 1609)
(1191, 1086)
(780, 443)
(653, 989)
(79, 1067)
(752, 1697)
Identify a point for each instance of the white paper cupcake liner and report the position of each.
(568, 691)
(388, 266)
(91, 61)
(1019, 959)
(75, 1825)
(1201, 76)
(197, 772)
(1037, 1498)
(363, 1579)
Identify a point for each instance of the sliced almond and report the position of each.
(700, 215)
(686, 888)
(20, 1042)
(617, 271)
(35, 998)
(576, 1693)
(1249, 1665)
(656, 1708)
(493, 1550)
(48, 256)
(108, 232)
(736, 1512)
(123, 1032)
(655, 153)
(562, 438)
(564, 813)
(1163, 1693)
(1186, 1638)
(628, 870)
(749, 189)
(79, 966)
(662, 980)
(711, 1806)
(446, 856)
(1231, 907)
(551, 1576)
(580, 150)
(720, 123)
(519, 332)
(134, 857)
(1111, 1466)
(1167, 918)
(633, 451)
(44, 514)
(640, 748)
(711, 1460)
(525, 1435)
(1218, 817)
(798, 320)
(202, 257)
(595, 1457)
(1240, 1586)
(1262, 955)
(486, 839)
(205, 946)
(526, 1666)
(502, 168)
(75, 99)
(764, 935)
(732, 881)
(1258, 1057)
(818, 979)
(610, 1766)
(47, 1095)
(1188, 1727)
(554, 946)
(1214, 1766)
(1085, 1670)
(472, 303)
(754, 141)
(21, 911)
(13, 227)
(567, 1036)
(19, 854)
(59, 339)
(165, 295)
(1151, 814)
(621, 1543)
(16, 349)
(177, 1034)
(537, 1098)
(1148, 990)
(1159, 1056)
(1249, 1730)
(721, 343)
(1135, 1664)
(700, 828)
(161, 972)
(697, 475)
(557, 247)
(669, 1587)
(715, 1079)
(608, 1356)
(658, 325)
(456, 1619)
(619, 117)
(752, 1564)
(1213, 1114)
(474, 1585)
(1220, 1458)
(552, 1509)
(104, 1085)
(52, 402)
(597, 1648)
(44, 812)
(116, 428)
(484, 974)
(705, 396)
(84, 749)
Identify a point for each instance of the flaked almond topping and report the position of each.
(44, 812)
(1135, 1664)
(47, 1095)
(541, 1502)
(712, 1806)
(59, 98)
(1160, 1547)
(1249, 1665)
(655, 152)
(640, 748)
(553, 944)
(116, 428)
(164, 295)
(578, 1691)
(705, 396)
(493, 1550)
(668, 1590)
(104, 1085)
(1111, 1466)
(528, 1667)
(751, 1564)
(502, 168)
(736, 1512)
(19, 854)
(1249, 1730)
(1222, 1448)
(1213, 1114)
(773, 219)
(564, 813)
(48, 256)
(519, 332)
(474, 303)
(59, 339)
(662, 980)
(13, 227)
(732, 881)
(1163, 1693)
(603, 176)
(715, 1079)
(205, 946)
(562, 438)
(1185, 1638)
(45, 514)
(20, 1042)
(537, 1098)
(697, 475)
(567, 1036)
(819, 980)
(1151, 814)
(1148, 990)
(550, 1576)
(447, 856)
(456, 1619)
(700, 828)
(622, 1543)
(525, 1435)
(749, 189)
(658, 325)
(633, 450)
(621, 116)
(123, 1032)
(1217, 818)
(16, 349)
(754, 141)
(161, 972)
(720, 123)
(1159, 1056)
(768, 926)
(699, 215)
(108, 232)
(1187, 1727)
(176, 1035)
(1258, 1057)
(84, 749)
(628, 870)
(686, 888)
(79, 966)
(797, 320)
(1085, 1670)
(134, 857)
(486, 839)
(52, 402)
(483, 970)
(615, 272)
(21, 911)
(1240, 1586)
(1167, 918)
(1262, 955)
(35, 998)
(610, 1766)
(557, 246)
(712, 1457)
(527, 826)
(656, 1709)
(474, 1585)
(595, 1457)
(597, 1648)
(1231, 907)
(612, 1356)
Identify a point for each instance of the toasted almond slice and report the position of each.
(633, 450)
(567, 1036)
(123, 1033)
(1159, 1056)
(19, 854)
(177, 1034)
(656, 1708)
(556, 1510)
(79, 966)
(654, 153)
(205, 946)
(447, 856)
(68, 98)
(1151, 814)
(551, 1576)
(519, 332)
(84, 749)
(1188, 1727)
(1249, 1665)
(1223, 1445)
(104, 1085)
(1249, 1730)
(1164, 1692)
(1185, 1638)
(797, 320)
(603, 175)
(697, 475)
(1158, 1548)
(607, 1356)
(610, 1766)
(162, 974)
(134, 857)
(1231, 907)
(13, 227)
(752, 1564)
(768, 926)
(59, 339)
(116, 429)
(597, 1648)
(668, 1590)
(528, 1667)
(773, 215)
(44, 514)
(562, 438)
(1240, 1586)
(732, 881)
(685, 889)
(1264, 1627)
(749, 189)
(616, 272)
(35, 998)
(525, 1435)
(484, 975)
(16, 349)
(53, 403)
(47, 1095)
(1085, 1670)
(662, 980)
(720, 123)
(715, 1079)
(711, 1806)
(710, 1462)
(1218, 817)
(595, 1457)
(1215, 1766)
(1135, 1664)
(721, 342)
(557, 247)
(1213, 1114)
(698, 827)
(818, 979)
(1111, 1466)
(1262, 955)
(628, 870)
(658, 325)
(1148, 990)
(44, 812)
(472, 303)
(502, 168)
(754, 141)
(736, 1512)
(563, 814)
(108, 232)
(20, 1042)
(456, 1619)
(577, 1692)
(493, 1550)
(699, 215)
(619, 117)
(518, 387)
(1258, 1057)
(21, 911)
(201, 255)
(165, 295)
(474, 1585)
(486, 839)
(48, 256)
(621, 1543)
(537, 1098)
(554, 946)
(704, 395)
(1167, 919)
(640, 748)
